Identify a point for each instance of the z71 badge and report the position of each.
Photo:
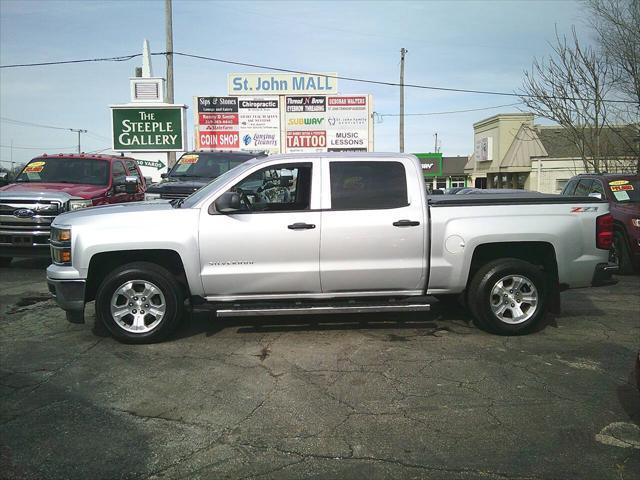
(584, 209)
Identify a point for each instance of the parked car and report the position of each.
(623, 194)
(52, 184)
(354, 234)
(194, 170)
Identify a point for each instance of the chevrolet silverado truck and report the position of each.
(52, 184)
(355, 233)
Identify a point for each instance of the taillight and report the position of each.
(604, 231)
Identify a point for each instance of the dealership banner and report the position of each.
(148, 129)
(285, 123)
(282, 83)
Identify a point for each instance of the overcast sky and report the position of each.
(462, 44)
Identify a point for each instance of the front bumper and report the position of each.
(602, 274)
(69, 295)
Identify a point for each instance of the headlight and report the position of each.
(151, 196)
(61, 245)
(635, 222)
(78, 204)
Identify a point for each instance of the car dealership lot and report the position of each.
(365, 396)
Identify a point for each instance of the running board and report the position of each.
(248, 311)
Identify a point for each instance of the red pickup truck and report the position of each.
(52, 184)
(623, 194)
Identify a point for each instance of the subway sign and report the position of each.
(431, 164)
(150, 129)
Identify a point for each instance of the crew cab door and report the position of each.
(374, 217)
(118, 193)
(270, 246)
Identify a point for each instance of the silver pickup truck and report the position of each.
(326, 233)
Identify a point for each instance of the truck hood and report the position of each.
(60, 191)
(179, 185)
(109, 212)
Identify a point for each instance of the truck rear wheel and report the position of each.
(508, 296)
(619, 254)
(140, 302)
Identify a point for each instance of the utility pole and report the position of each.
(78, 131)
(403, 52)
(168, 19)
(435, 150)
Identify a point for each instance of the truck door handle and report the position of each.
(301, 226)
(406, 223)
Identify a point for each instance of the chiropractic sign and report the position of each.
(149, 129)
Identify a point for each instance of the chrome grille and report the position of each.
(28, 230)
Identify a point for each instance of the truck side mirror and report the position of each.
(131, 184)
(4, 179)
(228, 202)
(164, 175)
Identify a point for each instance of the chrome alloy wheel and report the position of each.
(514, 299)
(138, 306)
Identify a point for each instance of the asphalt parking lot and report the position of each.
(368, 396)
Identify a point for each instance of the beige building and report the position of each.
(512, 152)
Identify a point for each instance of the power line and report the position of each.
(125, 58)
(122, 58)
(29, 124)
(44, 149)
(377, 82)
(449, 112)
(20, 123)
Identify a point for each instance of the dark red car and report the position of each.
(52, 184)
(623, 193)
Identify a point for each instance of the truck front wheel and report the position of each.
(508, 296)
(140, 302)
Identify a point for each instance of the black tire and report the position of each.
(480, 299)
(619, 254)
(5, 261)
(141, 271)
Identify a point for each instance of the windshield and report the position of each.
(625, 191)
(207, 164)
(66, 170)
(214, 185)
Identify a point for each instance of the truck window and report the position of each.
(582, 190)
(368, 185)
(597, 187)
(118, 170)
(281, 188)
(131, 169)
(570, 187)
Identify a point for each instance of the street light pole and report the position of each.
(403, 52)
(78, 131)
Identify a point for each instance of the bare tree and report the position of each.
(617, 24)
(569, 88)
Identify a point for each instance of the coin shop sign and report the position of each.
(148, 129)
